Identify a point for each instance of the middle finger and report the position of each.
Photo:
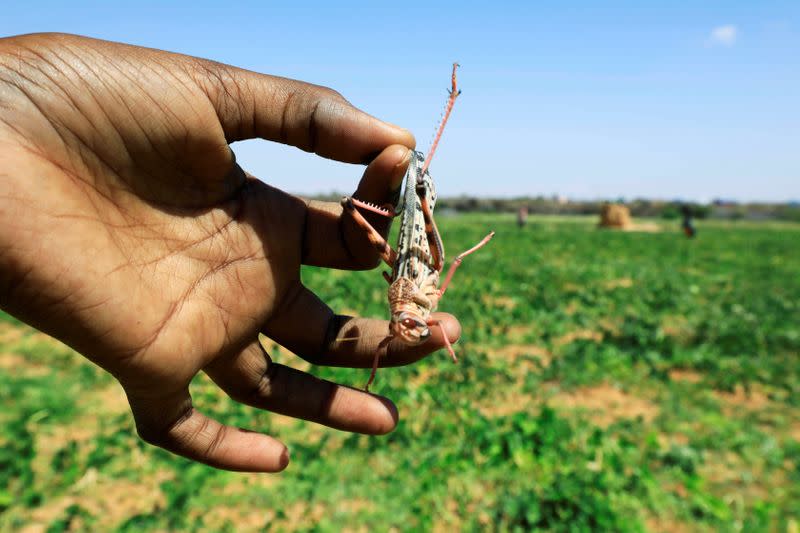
(308, 327)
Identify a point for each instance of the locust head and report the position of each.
(409, 327)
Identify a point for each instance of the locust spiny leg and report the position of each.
(385, 211)
(459, 258)
(432, 233)
(388, 255)
(447, 344)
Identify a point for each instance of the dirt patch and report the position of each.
(728, 474)
(581, 334)
(16, 365)
(514, 351)
(572, 307)
(283, 422)
(755, 399)
(607, 403)
(355, 505)
(677, 327)
(110, 501)
(665, 440)
(423, 376)
(509, 402)
(110, 400)
(16, 342)
(666, 525)
(571, 287)
(517, 332)
(511, 398)
(794, 431)
(50, 440)
(244, 484)
(26, 336)
(502, 302)
(610, 326)
(300, 515)
(621, 283)
(94, 407)
(686, 376)
(10, 333)
(244, 518)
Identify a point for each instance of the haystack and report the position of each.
(615, 216)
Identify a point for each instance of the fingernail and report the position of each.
(284, 461)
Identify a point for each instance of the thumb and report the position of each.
(313, 118)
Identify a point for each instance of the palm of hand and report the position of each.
(138, 240)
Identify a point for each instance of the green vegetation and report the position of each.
(609, 381)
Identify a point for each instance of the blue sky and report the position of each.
(692, 100)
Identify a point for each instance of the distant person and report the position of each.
(687, 225)
(522, 217)
(129, 231)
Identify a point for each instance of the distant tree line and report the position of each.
(640, 207)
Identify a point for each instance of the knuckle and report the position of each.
(162, 436)
(260, 391)
(151, 435)
(215, 438)
(322, 93)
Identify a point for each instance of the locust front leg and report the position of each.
(388, 255)
(447, 344)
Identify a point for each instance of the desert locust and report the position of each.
(418, 260)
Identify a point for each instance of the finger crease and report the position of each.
(216, 439)
(304, 232)
(284, 131)
(313, 132)
(166, 435)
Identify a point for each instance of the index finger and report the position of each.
(311, 117)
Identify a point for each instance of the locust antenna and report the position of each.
(454, 92)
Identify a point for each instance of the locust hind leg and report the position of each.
(459, 258)
(447, 344)
(432, 233)
(385, 251)
(388, 211)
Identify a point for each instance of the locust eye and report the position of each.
(409, 323)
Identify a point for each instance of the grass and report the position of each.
(609, 380)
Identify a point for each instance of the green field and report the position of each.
(618, 381)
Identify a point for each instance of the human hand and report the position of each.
(128, 231)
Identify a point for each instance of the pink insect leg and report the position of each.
(454, 92)
(385, 211)
(459, 258)
(447, 344)
(384, 343)
(387, 254)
